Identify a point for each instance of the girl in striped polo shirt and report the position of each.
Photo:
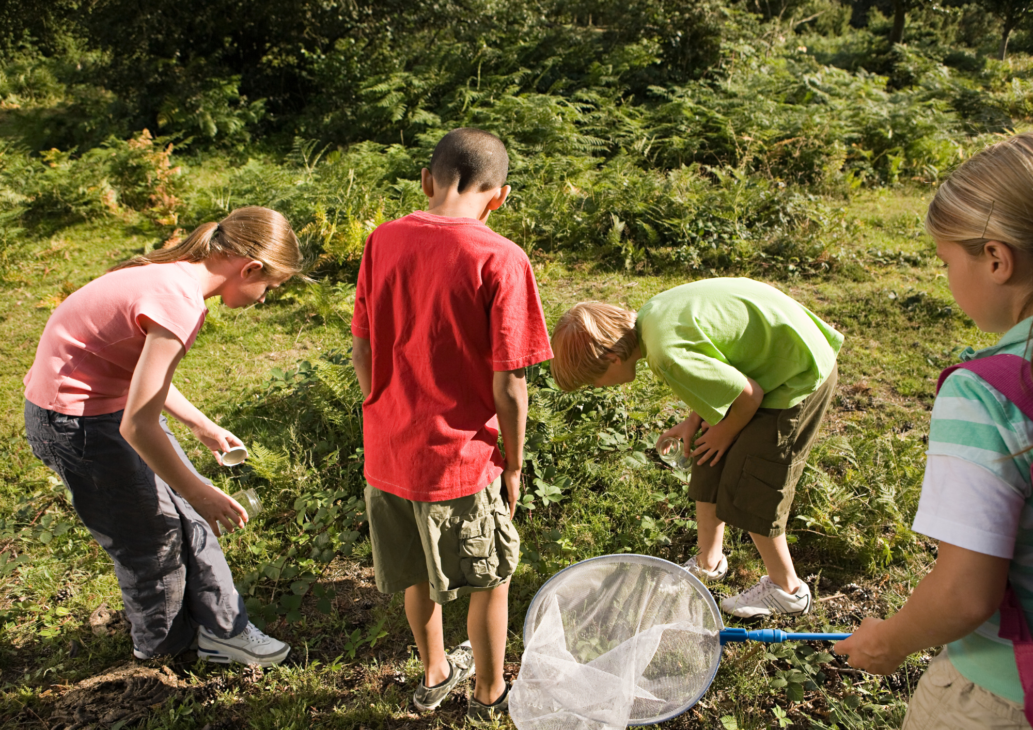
(977, 499)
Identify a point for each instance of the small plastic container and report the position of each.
(670, 451)
(234, 456)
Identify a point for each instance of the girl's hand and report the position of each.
(218, 508)
(866, 650)
(216, 438)
(686, 431)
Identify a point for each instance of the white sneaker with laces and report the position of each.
(767, 598)
(250, 646)
(707, 576)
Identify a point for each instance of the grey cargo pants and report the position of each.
(168, 561)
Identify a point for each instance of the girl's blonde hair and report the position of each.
(584, 336)
(988, 198)
(255, 233)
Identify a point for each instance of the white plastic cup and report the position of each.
(670, 450)
(234, 456)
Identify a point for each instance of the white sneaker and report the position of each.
(767, 598)
(707, 576)
(250, 646)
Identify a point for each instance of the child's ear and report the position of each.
(250, 268)
(1002, 260)
(427, 182)
(496, 202)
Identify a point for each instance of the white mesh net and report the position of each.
(613, 641)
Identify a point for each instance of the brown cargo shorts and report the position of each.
(754, 483)
(459, 546)
(945, 700)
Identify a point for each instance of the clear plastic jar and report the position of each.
(670, 450)
(248, 499)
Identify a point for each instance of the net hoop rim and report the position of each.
(646, 560)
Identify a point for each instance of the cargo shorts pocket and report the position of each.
(766, 489)
(507, 544)
(478, 558)
(934, 701)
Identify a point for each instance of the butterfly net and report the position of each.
(613, 641)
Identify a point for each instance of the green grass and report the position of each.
(885, 292)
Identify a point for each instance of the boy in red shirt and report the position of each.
(447, 316)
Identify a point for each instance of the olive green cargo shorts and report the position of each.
(754, 483)
(459, 546)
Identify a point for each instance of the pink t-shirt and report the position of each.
(93, 340)
(445, 303)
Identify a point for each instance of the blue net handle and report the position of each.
(775, 636)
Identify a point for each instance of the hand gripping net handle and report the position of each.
(775, 636)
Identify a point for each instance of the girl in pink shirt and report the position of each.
(93, 413)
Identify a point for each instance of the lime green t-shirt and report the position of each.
(706, 337)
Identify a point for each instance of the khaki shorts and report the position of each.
(459, 546)
(945, 700)
(754, 483)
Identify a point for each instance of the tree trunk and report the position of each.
(899, 16)
(1004, 43)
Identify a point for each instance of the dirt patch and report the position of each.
(854, 397)
(132, 691)
(124, 694)
(105, 622)
(355, 590)
(850, 603)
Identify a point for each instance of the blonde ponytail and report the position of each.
(988, 198)
(253, 232)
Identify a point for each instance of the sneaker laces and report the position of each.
(460, 657)
(253, 635)
(758, 590)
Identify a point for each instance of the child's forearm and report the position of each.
(510, 391)
(717, 439)
(962, 591)
(180, 408)
(743, 408)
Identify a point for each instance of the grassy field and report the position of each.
(277, 375)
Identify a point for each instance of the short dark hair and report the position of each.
(471, 156)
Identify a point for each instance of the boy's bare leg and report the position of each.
(774, 551)
(487, 626)
(425, 621)
(710, 535)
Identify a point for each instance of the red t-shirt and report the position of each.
(93, 340)
(445, 302)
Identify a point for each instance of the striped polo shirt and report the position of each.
(986, 504)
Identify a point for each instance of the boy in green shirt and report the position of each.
(758, 370)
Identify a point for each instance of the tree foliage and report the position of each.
(1012, 13)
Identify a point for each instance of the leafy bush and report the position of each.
(53, 101)
(136, 174)
(861, 497)
(211, 110)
